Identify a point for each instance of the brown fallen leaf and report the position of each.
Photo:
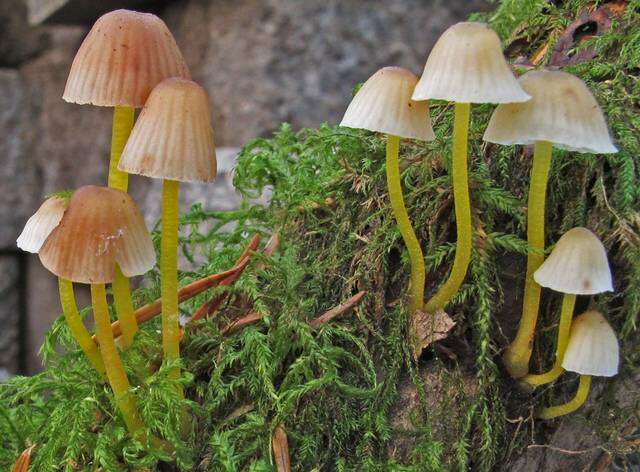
(280, 446)
(429, 328)
(22, 464)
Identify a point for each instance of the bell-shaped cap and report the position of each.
(593, 346)
(101, 228)
(467, 65)
(173, 138)
(578, 265)
(42, 223)
(383, 104)
(124, 56)
(562, 110)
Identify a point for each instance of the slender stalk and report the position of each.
(124, 308)
(169, 273)
(416, 258)
(517, 355)
(572, 405)
(113, 364)
(78, 330)
(564, 327)
(463, 210)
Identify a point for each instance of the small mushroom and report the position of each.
(577, 265)
(561, 113)
(592, 350)
(465, 66)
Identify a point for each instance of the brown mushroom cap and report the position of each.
(102, 227)
(124, 56)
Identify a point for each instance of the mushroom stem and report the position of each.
(416, 258)
(78, 330)
(463, 210)
(517, 355)
(115, 371)
(564, 328)
(169, 273)
(572, 405)
(124, 308)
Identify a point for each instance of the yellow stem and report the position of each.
(122, 124)
(169, 273)
(404, 224)
(517, 355)
(113, 365)
(124, 308)
(463, 210)
(79, 331)
(572, 405)
(564, 327)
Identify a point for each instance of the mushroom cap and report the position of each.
(593, 346)
(578, 264)
(467, 65)
(102, 227)
(562, 110)
(173, 138)
(383, 104)
(42, 223)
(123, 57)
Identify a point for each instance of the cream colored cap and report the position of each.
(467, 65)
(593, 346)
(101, 228)
(383, 104)
(123, 57)
(562, 110)
(173, 138)
(40, 225)
(578, 264)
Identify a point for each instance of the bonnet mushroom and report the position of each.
(465, 66)
(561, 113)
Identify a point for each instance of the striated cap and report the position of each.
(42, 223)
(578, 264)
(124, 56)
(562, 110)
(593, 347)
(101, 228)
(467, 65)
(173, 138)
(383, 104)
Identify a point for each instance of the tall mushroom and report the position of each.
(123, 57)
(465, 66)
(172, 140)
(592, 350)
(561, 113)
(577, 265)
(101, 230)
(383, 104)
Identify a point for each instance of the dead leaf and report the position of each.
(22, 464)
(429, 328)
(280, 446)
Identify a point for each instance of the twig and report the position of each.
(338, 310)
(240, 323)
(563, 451)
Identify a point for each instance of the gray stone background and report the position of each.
(262, 61)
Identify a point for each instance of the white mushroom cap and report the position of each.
(593, 346)
(467, 65)
(578, 264)
(383, 104)
(40, 225)
(562, 110)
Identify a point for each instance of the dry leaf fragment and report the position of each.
(22, 464)
(429, 328)
(281, 450)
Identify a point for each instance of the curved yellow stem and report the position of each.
(416, 258)
(113, 365)
(463, 210)
(517, 355)
(572, 405)
(564, 327)
(79, 331)
(124, 307)
(122, 124)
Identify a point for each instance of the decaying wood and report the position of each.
(280, 446)
(338, 310)
(22, 464)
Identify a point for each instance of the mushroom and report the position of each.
(465, 66)
(123, 57)
(577, 265)
(561, 113)
(383, 104)
(101, 230)
(172, 140)
(592, 351)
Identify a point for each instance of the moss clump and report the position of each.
(347, 393)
